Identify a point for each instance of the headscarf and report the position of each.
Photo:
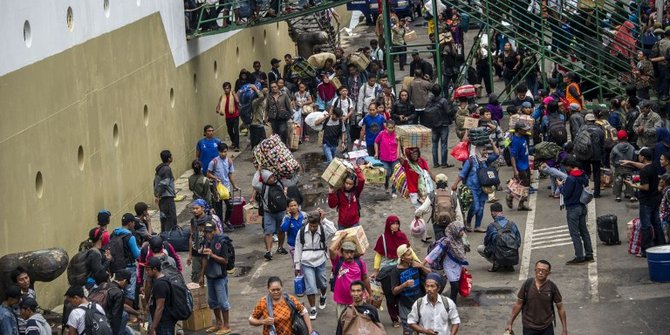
(454, 242)
(393, 239)
(423, 186)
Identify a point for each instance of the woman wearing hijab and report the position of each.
(455, 259)
(386, 254)
(420, 181)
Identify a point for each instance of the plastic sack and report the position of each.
(465, 283)
(418, 228)
(461, 151)
(223, 192)
(377, 294)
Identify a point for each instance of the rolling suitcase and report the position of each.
(608, 229)
(237, 217)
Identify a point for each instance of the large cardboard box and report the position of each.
(293, 136)
(199, 295)
(414, 136)
(470, 122)
(251, 214)
(356, 235)
(374, 175)
(200, 319)
(336, 172)
(525, 119)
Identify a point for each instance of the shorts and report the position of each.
(272, 222)
(315, 278)
(129, 291)
(217, 293)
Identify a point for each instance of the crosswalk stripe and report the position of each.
(549, 229)
(550, 245)
(567, 238)
(550, 238)
(551, 233)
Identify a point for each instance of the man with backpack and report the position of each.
(219, 257)
(111, 298)
(88, 317)
(221, 169)
(36, 324)
(589, 151)
(279, 111)
(518, 149)
(161, 303)
(502, 242)
(434, 314)
(553, 125)
(311, 254)
(576, 211)
(443, 206)
(437, 116)
(164, 192)
(347, 268)
(359, 317)
(334, 131)
(273, 201)
(124, 251)
(535, 300)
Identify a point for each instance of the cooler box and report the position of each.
(356, 235)
(658, 259)
(414, 136)
(336, 172)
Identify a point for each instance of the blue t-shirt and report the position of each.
(222, 168)
(373, 125)
(208, 149)
(291, 226)
(519, 150)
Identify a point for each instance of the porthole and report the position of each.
(27, 34)
(80, 157)
(172, 97)
(105, 6)
(115, 135)
(69, 19)
(145, 114)
(39, 185)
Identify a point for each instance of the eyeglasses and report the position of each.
(541, 270)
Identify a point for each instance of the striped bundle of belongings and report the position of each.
(479, 136)
(414, 136)
(273, 155)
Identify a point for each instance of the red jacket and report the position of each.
(348, 207)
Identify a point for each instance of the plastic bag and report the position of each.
(465, 283)
(418, 228)
(377, 293)
(223, 192)
(461, 151)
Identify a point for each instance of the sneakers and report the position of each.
(589, 259)
(312, 314)
(282, 251)
(322, 303)
(275, 238)
(268, 256)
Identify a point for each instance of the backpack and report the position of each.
(443, 205)
(553, 288)
(118, 247)
(77, 269)
(180, 298)
(431, 117)
(557, 131)
(582, 145)
(322, 238)
(436, 265)
(277, 201)
(100, 295)
(336, 270)
(506, 248)
(610, 132)
(96, 322)
(547, 150)
(229, 253)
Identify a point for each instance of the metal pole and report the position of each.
(390, 70)
(436, 38)
(489, 33)
(600, 65)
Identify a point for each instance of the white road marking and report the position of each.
(552, 233)
(552, 245)
(540, 230)
(551, 241)
(528, 234)
(248, 289)
(593, 267)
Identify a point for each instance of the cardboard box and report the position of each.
(356, 235)
(356, 154)
(336, 172)
(414, 136)
(200, 319)
(410, 36)
(293, 136)
(199, 295)
(374, 175)
(251, 214)
(525, 119)
(470, 122)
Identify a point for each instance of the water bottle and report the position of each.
(299, 285)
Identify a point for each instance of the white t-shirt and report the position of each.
(77, 317)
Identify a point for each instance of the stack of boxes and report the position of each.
(201, 317)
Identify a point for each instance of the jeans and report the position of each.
(555, 174)
(280, 127)
(315, 278)
(593, 166)
(576, 216)
(388, 166)
(440, 137)
(329, 152)
(649, 220)
(217, 293)
(129, 291)
(223, 209)
(546, 331)
(124, 324)
(477, 208)
(168, 213)
(233, 126)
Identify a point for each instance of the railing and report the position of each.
(600, 57)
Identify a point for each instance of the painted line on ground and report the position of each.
(552, 233)
(593, 267)
(550, 229)
(549, 239)
(553, 241)
(528, 234)
(248, 289)
(552, 245)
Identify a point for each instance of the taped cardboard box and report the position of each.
(336, 172)
(414, 136)
(356, 235)
(470, 122)
(374, 175)
(200, 319)
(199, 295)
(251, 214)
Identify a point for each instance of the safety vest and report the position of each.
(572, 99)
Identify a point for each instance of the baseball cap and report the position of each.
(123, 274)
(348, 245)
(402, 249)
(574, 106)
(28, 303)
(590, 117)
(127, 218)
(75, 291)
(209, 227)
(275, 61)
(103, 217)
(155, 263)
(622, 135)
(526, 104)
(646, 153)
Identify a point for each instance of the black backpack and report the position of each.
(96, 322)
(322, 238)
(557, 131)
(277, 201)
(582, 145)
(77, 270)
(228, 252)
(506, 248)
(118, 247)
(180, 299)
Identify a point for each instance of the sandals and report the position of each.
(396, 324)
(212, 329)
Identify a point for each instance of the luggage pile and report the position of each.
(479, 136)
(547, 150)
(359, 60)
(271, 154)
